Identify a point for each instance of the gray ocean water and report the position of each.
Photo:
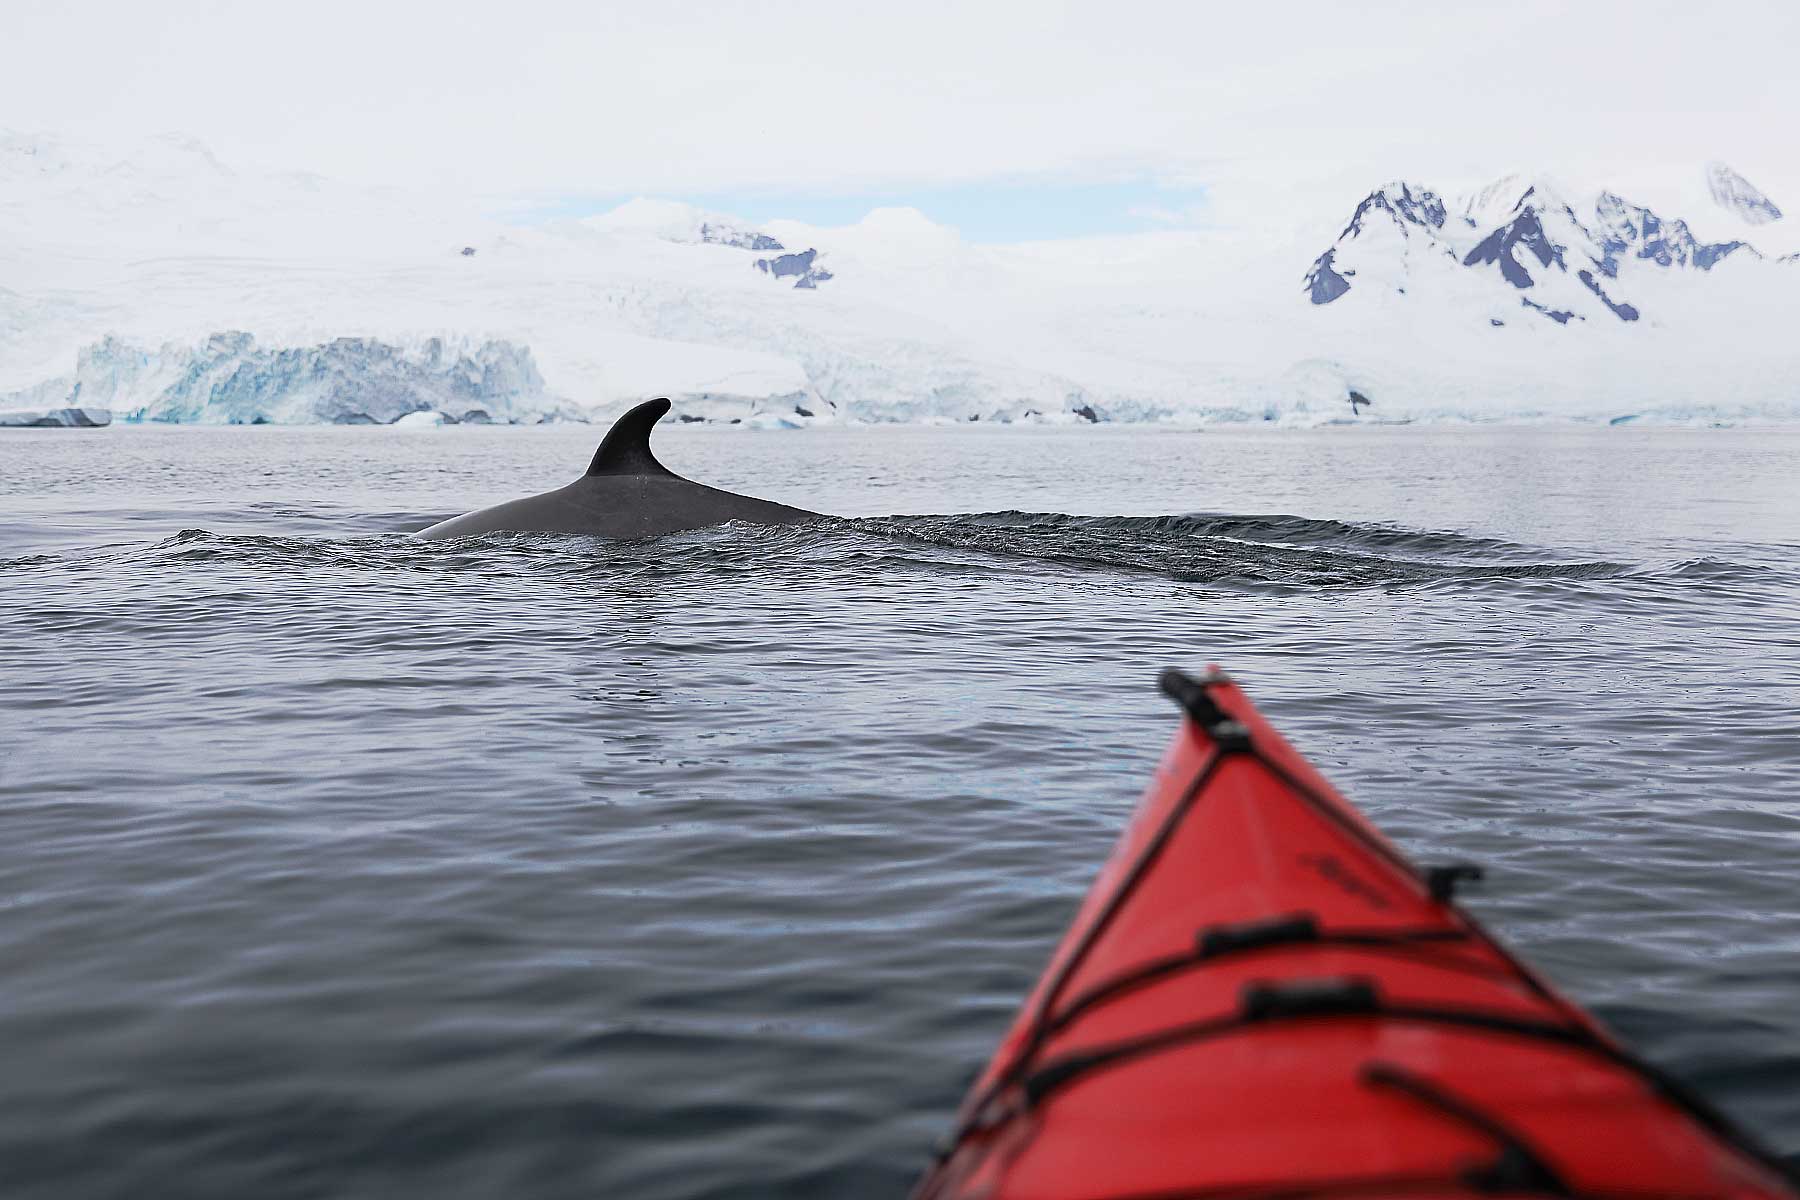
(337, 864)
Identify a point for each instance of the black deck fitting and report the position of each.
(1251, 935)
(1443, 881)
(1263, 1001)
(1192, 695)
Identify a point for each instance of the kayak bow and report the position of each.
(1262, 997)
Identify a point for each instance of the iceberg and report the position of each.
(423, 419)
(54, 418)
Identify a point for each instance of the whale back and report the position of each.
(626, 448)
(625, 493)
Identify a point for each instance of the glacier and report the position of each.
(186, 289)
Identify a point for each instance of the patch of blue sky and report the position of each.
(989, 212)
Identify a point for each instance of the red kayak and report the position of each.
(1261, 997)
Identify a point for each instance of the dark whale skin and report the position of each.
(626, 493)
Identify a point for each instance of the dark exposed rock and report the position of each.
(1324, 283)
(788, 264)
(1087, 412)
(1358, 402)
(1625, 312)
(743, 239)
(1705, 256)
(1560, 316)
(800, 267)
(1524, 232)
(468, 252)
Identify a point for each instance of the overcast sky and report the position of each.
(553, 102)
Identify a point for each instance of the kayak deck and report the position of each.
(1261, 997)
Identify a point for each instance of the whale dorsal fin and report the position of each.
(626, 448)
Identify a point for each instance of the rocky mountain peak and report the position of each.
(1555, 258)
(1627, 230)
(1738, 195)
(1405, 203)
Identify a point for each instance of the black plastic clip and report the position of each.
(1309, 998)
(1215, 940)
(1442, 881)
(1191, 694)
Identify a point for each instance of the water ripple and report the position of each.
(335, 862)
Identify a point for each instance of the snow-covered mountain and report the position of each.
(685, 224)
(1737, 195)
(1517, 246)
(175, 286)
(674, 221)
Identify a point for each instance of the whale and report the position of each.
(625, 493)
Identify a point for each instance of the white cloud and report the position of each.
(532, 96)
(1173, 216)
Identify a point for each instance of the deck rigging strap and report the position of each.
(1291, 1000)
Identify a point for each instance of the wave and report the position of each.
(1259, 552)
(1273, 552)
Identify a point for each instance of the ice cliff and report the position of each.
(231, 379)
